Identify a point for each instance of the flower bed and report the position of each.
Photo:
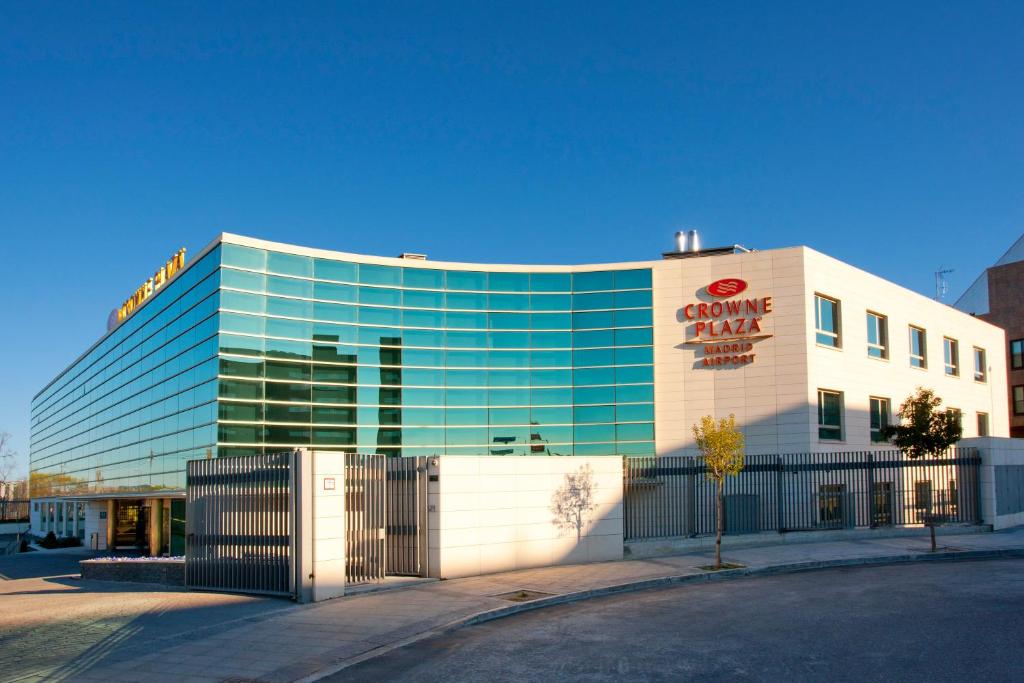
(168, 571)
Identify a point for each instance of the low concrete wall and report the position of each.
(657, 547)
(1001, 480)
(166, 572)
(490, 514)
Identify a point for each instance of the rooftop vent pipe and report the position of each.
(687, 242)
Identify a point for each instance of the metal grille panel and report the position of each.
(238, 524)
(671, 496)
(365, 517)
(403, 517)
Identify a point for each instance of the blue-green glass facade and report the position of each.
(252, 350)
(130, 412)
(425, 361)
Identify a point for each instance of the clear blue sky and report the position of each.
(886, 134)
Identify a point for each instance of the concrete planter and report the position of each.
(166, 572)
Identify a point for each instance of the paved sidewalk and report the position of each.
(307, 642)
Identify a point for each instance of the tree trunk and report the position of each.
(720, 509)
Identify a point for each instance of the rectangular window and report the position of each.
(1018, 400)
(923, 495)
(826, 321)
(957, 414)
(982, 424)
(882, 507)
(918, 348)
(831, 498)
(980, 365)
(830, 415)
(951, 356)
(879, 408)
(878, 335)
(1017, 354)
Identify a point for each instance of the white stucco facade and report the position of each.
(775, 396)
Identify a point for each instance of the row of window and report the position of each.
(429, 278)
(831, 425)
(252, 434)
(294, 392)
(259, 284)
(828, 332)
(420, 318)
(286, 328)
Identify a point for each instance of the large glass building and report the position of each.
(259, 347)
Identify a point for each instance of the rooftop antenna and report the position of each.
(941, 286)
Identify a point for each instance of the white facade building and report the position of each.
(814, 353)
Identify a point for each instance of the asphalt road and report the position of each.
(43, 563)
(921, 622)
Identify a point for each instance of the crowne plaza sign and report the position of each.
(162, 276)
(728, 325)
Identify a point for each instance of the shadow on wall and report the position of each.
(572, 503)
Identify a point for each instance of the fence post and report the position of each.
(871, 490)
(691, 517)
(780, 507)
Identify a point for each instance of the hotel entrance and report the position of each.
(131, 527)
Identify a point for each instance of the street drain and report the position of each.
(523, 595)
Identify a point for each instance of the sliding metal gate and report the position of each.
(238, 524)
(404, 523)
(365, 505)
(382, 516)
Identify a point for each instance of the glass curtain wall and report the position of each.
(129, 413)
(422, 361)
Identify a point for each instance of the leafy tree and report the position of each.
(721, 444)
(924, 430)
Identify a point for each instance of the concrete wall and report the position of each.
(491, 514)
(96, 523)
(1001, 480)
(767, 396)
(328, 525)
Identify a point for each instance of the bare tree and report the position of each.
(573, 502)
(7, 465)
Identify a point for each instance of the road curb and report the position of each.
(662, 582)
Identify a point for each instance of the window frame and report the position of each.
(887, 412)
(821, 425)
(1018, 404)
(883, 335)
(980, 372)
(923, 357)
(951, 356)
(837, 318)
(1017, 359)
(981, 418)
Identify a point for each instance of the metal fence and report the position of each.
(13, 510)
(672, 496)
(238, 528)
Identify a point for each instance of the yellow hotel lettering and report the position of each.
(159, 279)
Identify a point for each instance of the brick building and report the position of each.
(998, 297)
